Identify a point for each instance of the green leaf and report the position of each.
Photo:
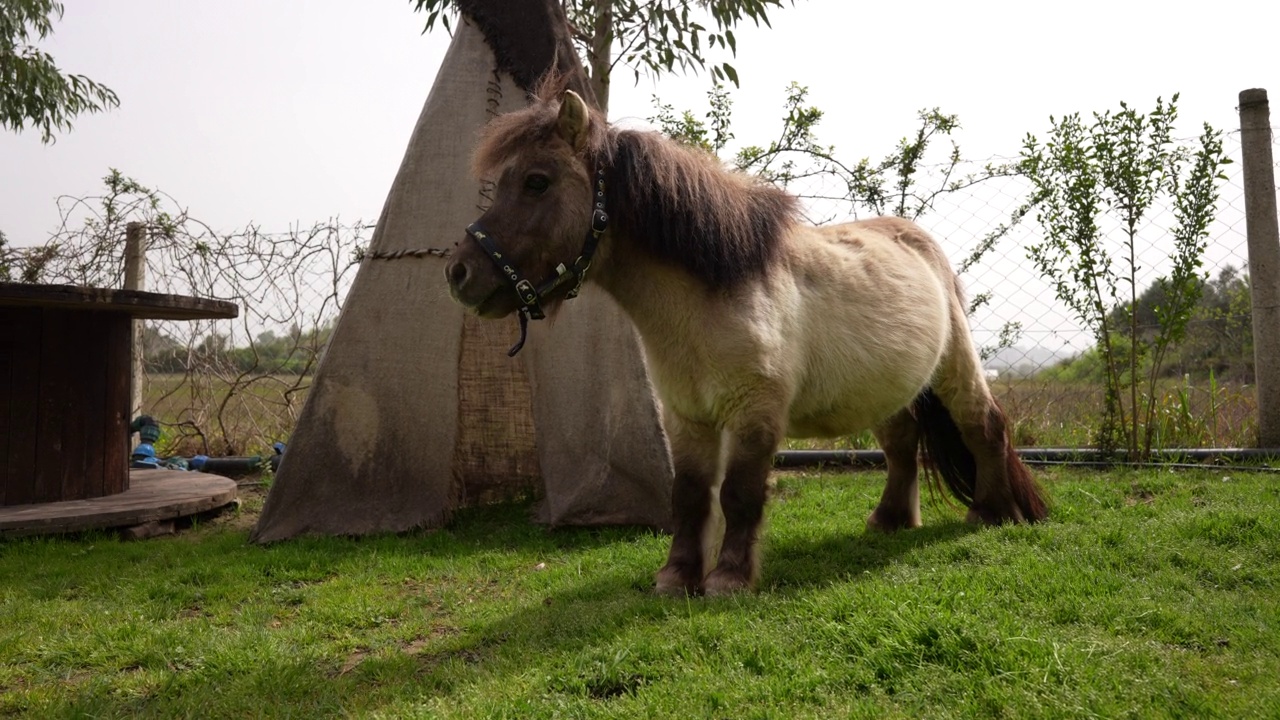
(731, 74)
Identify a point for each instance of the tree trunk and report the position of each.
(602, 53)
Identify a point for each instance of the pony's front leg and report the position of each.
(742, 498)
(695, 452)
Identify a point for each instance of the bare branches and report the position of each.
(225, 387)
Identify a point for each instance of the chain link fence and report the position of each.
(233, 387)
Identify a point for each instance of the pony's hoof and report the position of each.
(887, 521)
(726, 582)
(672, 582)
(986, 516)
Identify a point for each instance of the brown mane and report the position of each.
(677, 202)
(685, 208)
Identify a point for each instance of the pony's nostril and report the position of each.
(457, 274)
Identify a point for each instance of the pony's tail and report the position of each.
(949, 462)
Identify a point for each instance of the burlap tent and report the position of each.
(416, 409)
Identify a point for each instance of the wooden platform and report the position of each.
(153, 496)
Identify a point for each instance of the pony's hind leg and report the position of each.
(742, 498)
(899, 507)
(695, 452)
(1004, 490)
(1001, 486)
(985, 470)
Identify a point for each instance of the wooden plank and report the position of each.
(9, 346)
(55, 372)
(80, 357)
(94, 406)
(153, 495)
(135, 303)
(26, 329)
(117, 401)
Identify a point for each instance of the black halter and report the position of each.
(531, 295)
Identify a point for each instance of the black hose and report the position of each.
(1259, 458)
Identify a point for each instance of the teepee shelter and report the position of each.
(416, 409)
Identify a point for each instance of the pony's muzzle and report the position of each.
(462, 280)
(475, 289)
(457, 274)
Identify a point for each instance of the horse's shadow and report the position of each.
(577, 624)
(577, 619)
(796, 563)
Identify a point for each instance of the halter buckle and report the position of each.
(527, 292)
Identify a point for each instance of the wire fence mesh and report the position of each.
(232, 387)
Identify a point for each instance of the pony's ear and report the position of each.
(574, 120)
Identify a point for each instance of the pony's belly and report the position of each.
(842, 398)
(827, 426)
(848, 419)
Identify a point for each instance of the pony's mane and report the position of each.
(675, 201)
(683, 206)
(508, 134)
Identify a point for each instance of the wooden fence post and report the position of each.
(135, 271)
(1264, 257)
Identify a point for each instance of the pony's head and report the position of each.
(542, 162)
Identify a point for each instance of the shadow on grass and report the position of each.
(809, 562)
(560, 629)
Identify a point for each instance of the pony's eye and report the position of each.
(537, 184)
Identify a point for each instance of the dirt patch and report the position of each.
(1139, 496)
(243, 514)
(352, 662)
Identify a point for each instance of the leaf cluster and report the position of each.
(33, 90)
(655, 37)
(712, 134)
(1121, 170)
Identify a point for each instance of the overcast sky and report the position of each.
(282, 112)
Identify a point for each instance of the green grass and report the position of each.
(1057, 413)
(235, 415)
(1148, 594)
(1188, 413)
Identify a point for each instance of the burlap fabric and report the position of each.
(416, 410)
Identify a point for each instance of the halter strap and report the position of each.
(531, 295)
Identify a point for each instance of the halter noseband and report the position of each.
(531, 295)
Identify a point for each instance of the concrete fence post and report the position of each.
(135, 270)
(1264, 257)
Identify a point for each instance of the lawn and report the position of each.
(1147, 594)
